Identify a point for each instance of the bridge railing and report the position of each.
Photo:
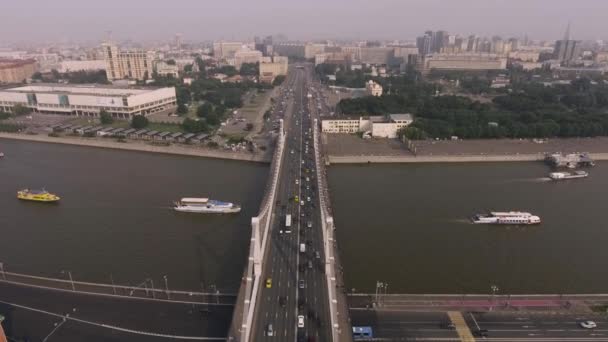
(327, 227)
(260, 226)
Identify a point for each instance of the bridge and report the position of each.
(291, 288)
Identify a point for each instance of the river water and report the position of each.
(115, 217)
(407, 225)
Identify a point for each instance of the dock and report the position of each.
(571, 160)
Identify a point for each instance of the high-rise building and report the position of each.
(567, 50)
(440, 40)
(246, 56)
(423, 43)
(16, 70)
(131, 64)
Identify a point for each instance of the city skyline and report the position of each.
(73, 21)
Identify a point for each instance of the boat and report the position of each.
(511, 217)
(568, 175)
(205, 205)
(37, 195)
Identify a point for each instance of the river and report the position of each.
(115, 218)
(407, 225)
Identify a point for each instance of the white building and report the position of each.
(93, 65)
(378, 126)
(271, 68)
(134, 64)
(166, 69)
(372, 88)
(88, 100)
(463, 61)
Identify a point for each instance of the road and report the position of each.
(391, 325)
(286, 265)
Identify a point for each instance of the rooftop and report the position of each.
(89, 89)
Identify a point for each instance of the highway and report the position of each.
(297, 282)
(541, 326)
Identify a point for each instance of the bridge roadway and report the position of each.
(298, 286)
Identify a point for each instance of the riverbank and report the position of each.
(444, 159)
(350, 149)
(143, 147)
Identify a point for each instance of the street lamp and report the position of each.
(494, 289)
(167, 286)
(71, 280)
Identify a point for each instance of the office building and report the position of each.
(311, 50)
(88, 100)
(223, 50)
(463, 61)
(271, 67)
(423, 43)
(566, 50)
(166, 69)
(296, 50)
(16, 70)
(246, 56)
(127, 64)
(92, 65)
(377, 55)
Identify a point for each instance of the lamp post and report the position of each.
(167, 286)
(494, 289)
(71, 279)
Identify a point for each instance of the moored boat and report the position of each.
(37, 195)
(568, 175)
(205, 205)
(506, 218)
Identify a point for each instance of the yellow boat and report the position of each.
(37, 195)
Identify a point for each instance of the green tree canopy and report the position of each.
(105, 118)
(139, 121)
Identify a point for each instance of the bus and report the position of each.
(288, 223)
(362, 333)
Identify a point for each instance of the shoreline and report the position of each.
(394, 159)
(141, 147)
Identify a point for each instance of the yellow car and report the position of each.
(297, 199)
(268, 283)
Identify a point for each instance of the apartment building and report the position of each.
(129, 64)
(16, 70)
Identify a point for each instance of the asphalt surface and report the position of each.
(286, 265)
(390, 325)
(24, 324)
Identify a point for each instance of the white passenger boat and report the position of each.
(568, 175)
(508, 218)
(205, 205)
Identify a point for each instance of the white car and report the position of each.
(300, 321)
(297, 182)
(588, 324)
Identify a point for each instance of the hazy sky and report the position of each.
(87, 20)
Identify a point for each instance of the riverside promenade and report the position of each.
(183, 150)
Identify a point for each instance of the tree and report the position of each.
(278, 80)
(170, 62)
(220, 110)
(194, 126)
(182, 109)
(250, 69)
(105, 117)
(20, 109)
(204, 110)
(213, 119)
(139, 121)
(188, 68)
(37, 76)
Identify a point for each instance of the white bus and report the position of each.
(288, 223)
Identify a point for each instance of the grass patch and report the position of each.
(164, 127)
(599, 308)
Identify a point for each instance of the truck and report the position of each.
(288, 223)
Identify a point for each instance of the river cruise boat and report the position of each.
(506, 218)
(568, 175)
(37, 195)
(205, 205)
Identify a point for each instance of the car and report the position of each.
(282, 301)
(302, 202)
(308, 198)
(448, 325)
(309, 264)
(297, 181)
(296, 199)
(268, 283)
(269, 330)
(302, 284)
(301, 321)
(317, 255)
(309, 224)
(481, 333)
(588, 325)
